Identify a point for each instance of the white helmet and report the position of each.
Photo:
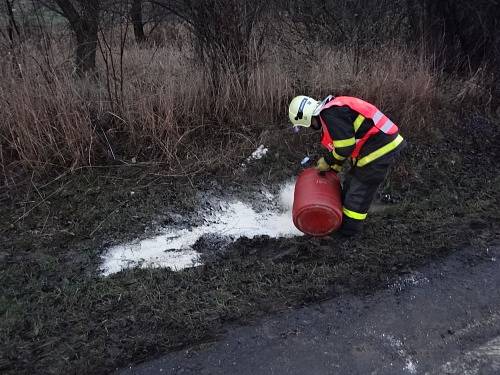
(301, 110)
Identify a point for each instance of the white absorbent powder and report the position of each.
(173, 247)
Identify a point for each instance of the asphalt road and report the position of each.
(443, 319)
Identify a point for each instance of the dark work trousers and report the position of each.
(360, 187)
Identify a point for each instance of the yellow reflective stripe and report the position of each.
(337, 168)
(353, 214)
(337, 156)
(357, 123)
(344, 142)
(380, 152)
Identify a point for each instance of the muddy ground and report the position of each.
(431, 321)
(59, 315)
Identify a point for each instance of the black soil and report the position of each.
(58, 315)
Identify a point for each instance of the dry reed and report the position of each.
(162, 107)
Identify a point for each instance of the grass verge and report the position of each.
(58, 315)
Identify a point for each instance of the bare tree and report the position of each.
(228, 34)
(83, 18)
(12, 27)
(137, 20)
(115, 12)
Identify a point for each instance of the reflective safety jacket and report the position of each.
(357, 129)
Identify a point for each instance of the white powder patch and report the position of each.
(268, 196)
(173, 248)
(397, 345)
(482, 360)
(286, 196)
(410, 367)
(259, 153)
(409, 281)
(148, 253)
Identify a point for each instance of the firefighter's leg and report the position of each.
(357, 200)
(358, 194)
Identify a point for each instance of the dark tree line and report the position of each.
(462, 34)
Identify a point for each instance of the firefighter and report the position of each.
(352, 130)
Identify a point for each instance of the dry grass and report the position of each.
(161, 107)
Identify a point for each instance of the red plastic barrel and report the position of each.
(317, 203)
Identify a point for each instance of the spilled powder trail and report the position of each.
(173, 248)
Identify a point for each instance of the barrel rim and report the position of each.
(336, 212)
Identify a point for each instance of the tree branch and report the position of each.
(69, 12)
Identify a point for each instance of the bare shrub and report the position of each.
(158, 105)
(228, 35)
(166, 115)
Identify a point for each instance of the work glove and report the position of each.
(322, 165)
